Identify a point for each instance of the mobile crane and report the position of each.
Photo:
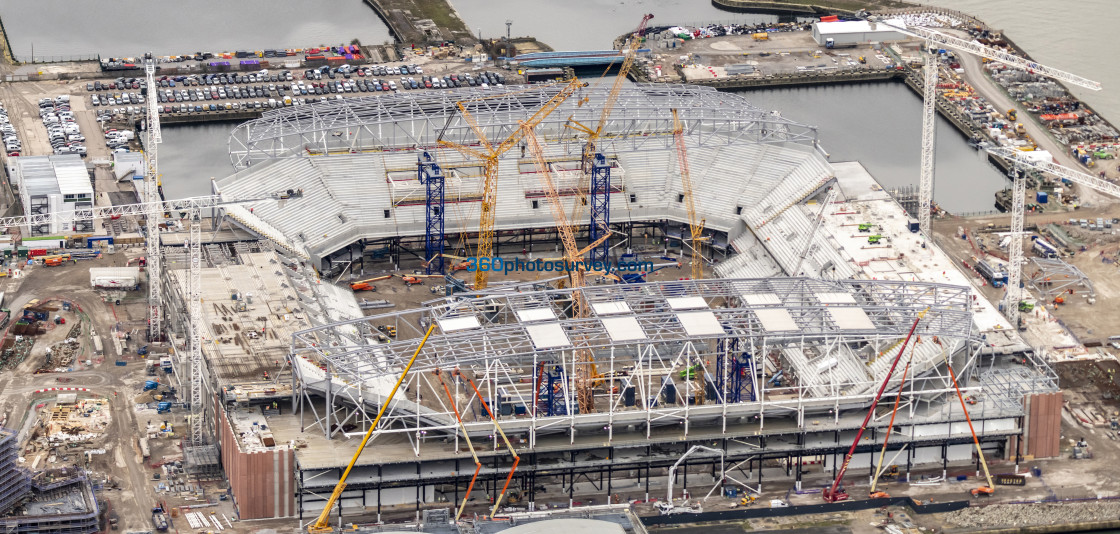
(322, 524)
(835, 493)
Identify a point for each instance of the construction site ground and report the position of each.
(782, 53)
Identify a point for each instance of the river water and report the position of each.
(56, 28)
(877, 124)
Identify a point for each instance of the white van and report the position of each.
(272, 103)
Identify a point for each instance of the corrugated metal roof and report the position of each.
(53, 175)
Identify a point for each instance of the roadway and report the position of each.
(986, 87)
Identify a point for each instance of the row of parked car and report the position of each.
(62, 129)
(12, 145)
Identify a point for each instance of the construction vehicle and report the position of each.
(1026, 306)
(56, 260)
(1012, 114)
(599, 201)
(862, 59)
(322, 524)
(1081, 450)
(690, 372)
(410, 281)
(865, 227)
(367, 284)
(989, 489)
(874, 239)
(747, 500)
(835, 493)
(1020, 129)
(159, 519)
(163, 407)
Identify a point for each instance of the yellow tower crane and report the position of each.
(574, 256)
(489, 156)
(695, 227)
(593, 134)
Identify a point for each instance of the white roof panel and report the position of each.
(623, 328)
(851, 318)
(610, 308)
(700, 323)
(775, 319)
(536, 314)
(836, 298)
(454, 324)
(548, 336)
(857, 26)
(761, 299)
(687, 303)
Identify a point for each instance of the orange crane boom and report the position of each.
(696, 228)
(834, 494)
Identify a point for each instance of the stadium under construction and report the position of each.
(770, 363)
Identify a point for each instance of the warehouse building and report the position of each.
(854, 32)
(52, 184)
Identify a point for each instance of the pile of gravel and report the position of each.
(1021, 515)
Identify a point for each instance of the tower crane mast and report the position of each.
(596, 171)
(1020, 162)
(151, 194)
(929, 97)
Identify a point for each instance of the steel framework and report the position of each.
(429, 174)
(657, 362)
(197, 437)
(1053, 277)
(415, 120)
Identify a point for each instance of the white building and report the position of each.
(854, 32)
(53, 184)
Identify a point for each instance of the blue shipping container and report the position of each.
(1042, 197)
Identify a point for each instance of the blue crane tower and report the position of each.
(429, 174)
(600, 208)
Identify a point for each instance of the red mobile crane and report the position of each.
(834, 493)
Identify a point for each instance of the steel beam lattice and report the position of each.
(197, 436)
(151, 194)
(929, 143)
(1015, 248)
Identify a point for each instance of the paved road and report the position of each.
(994, 94)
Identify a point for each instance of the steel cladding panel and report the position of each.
(262, 482)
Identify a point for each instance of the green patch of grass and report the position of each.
(441, 13)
